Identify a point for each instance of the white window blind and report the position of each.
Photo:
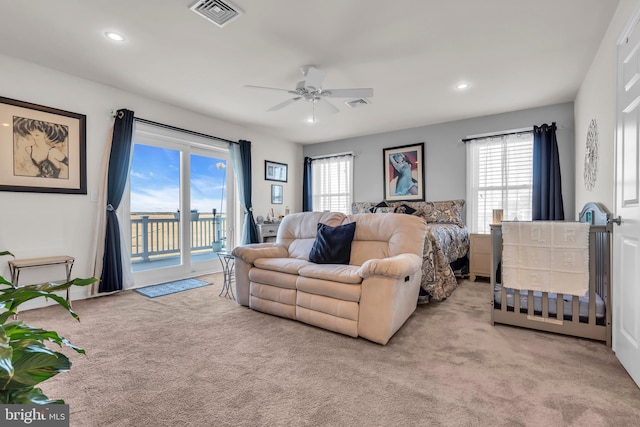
(499, 177)
(332, 184)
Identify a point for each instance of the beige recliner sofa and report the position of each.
(371, 297)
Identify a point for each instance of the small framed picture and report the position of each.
(274, 171)
(276, 194)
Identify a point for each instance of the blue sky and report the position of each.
(155, 181)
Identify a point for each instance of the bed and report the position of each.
(587, 315)
(446, 243)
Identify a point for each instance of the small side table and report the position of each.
(16, 265)
(267, 231)
(479, 256)
(228, 263)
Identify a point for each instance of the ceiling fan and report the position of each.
(310, 89)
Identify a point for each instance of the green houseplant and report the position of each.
(25, 361)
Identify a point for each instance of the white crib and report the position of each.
(586, 317)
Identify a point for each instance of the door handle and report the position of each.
(617, 220)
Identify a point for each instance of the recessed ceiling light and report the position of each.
(311, 120)
(114, 36)
(462, 85)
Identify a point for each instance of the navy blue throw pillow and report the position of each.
(333, 244)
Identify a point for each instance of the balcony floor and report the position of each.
(171, 261)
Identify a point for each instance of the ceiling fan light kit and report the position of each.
(310, 89)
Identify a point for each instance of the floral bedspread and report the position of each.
(447, 240)
(444, 243)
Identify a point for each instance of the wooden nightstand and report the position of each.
(479, 256)
(267, 231)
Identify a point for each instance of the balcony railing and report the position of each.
(157, 235)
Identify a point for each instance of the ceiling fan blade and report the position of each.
(269, 88)
(314, 78)
(284, 104)
(325, 105)
(365, 92)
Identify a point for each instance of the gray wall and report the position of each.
(445, 155)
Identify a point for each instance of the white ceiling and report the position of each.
(516, 54)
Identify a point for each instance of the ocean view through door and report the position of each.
(178, 207)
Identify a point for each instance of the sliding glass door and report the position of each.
(180, 206)
(154, 201)
(208, 206)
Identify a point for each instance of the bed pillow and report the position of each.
(363, 207)
(444, 212)
(405, 209)
(382, 204)
(333, 244)
(385, 210)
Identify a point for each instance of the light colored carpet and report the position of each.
(196, 359)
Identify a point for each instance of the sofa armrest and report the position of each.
(397, 267)
(250, 253)
(386, 302)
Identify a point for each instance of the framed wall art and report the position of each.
(274, 171)
(403, 172)
(42, 149)
(276, 194)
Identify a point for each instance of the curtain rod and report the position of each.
(190, 132)
(494, 134)
(333, 156)
(503, 133)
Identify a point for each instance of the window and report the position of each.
(332, 181)
(499, 177)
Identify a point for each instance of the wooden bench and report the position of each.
(16, 265)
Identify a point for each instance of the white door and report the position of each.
(626, 249)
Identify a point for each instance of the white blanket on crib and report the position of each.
(547, 256)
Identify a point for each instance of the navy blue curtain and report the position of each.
(547, 183)
(307, 204)
(249, 222)
(111, 278)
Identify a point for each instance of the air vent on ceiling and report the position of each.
(354, 103)
(216, 11)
